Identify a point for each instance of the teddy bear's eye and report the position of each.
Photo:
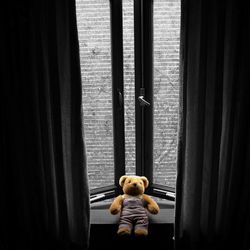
(129, 181)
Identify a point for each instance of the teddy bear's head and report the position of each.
(133, 185)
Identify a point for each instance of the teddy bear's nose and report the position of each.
(134, 184)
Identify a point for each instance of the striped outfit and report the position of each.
(133, 213)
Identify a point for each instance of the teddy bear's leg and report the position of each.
(141, 231)
(124, 231)
(125, 225)
(141, 226)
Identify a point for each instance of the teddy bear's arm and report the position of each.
(116, 205)
(152, 206)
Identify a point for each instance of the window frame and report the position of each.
(143, 49)
(143, 14)
(117, 87)
(110, 191)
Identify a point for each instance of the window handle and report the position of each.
(142, 101)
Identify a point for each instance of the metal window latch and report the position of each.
(141, 99)
(166, 193)
(101, 196)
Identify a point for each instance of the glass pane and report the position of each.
(129, 84)
(166, 15)
(93, 19)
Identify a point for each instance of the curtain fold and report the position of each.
(44, 181)
(213, 197)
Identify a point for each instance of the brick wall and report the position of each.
(93, 17)
(129, 85)
(166, 89)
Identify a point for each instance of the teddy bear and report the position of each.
(133, 206)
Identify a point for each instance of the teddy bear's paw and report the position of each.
(124, 231)
(141, 232)
(115, 210)
(153, 210)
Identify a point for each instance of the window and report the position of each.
(95, 48)
(166, 29)
(129, 53)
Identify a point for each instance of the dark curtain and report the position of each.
(44, 191)
(213, 180)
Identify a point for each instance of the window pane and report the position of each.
(129, 84)
(166, 89)
(93, 19)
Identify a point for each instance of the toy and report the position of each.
(133, 205)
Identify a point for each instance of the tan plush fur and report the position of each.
(133, 186)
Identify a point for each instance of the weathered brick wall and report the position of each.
(129, 85)
(166, 89)
(93, 18)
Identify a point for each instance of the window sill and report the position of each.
(100, 214)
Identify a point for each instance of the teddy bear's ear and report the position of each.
(122, 180)
(145, 181)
